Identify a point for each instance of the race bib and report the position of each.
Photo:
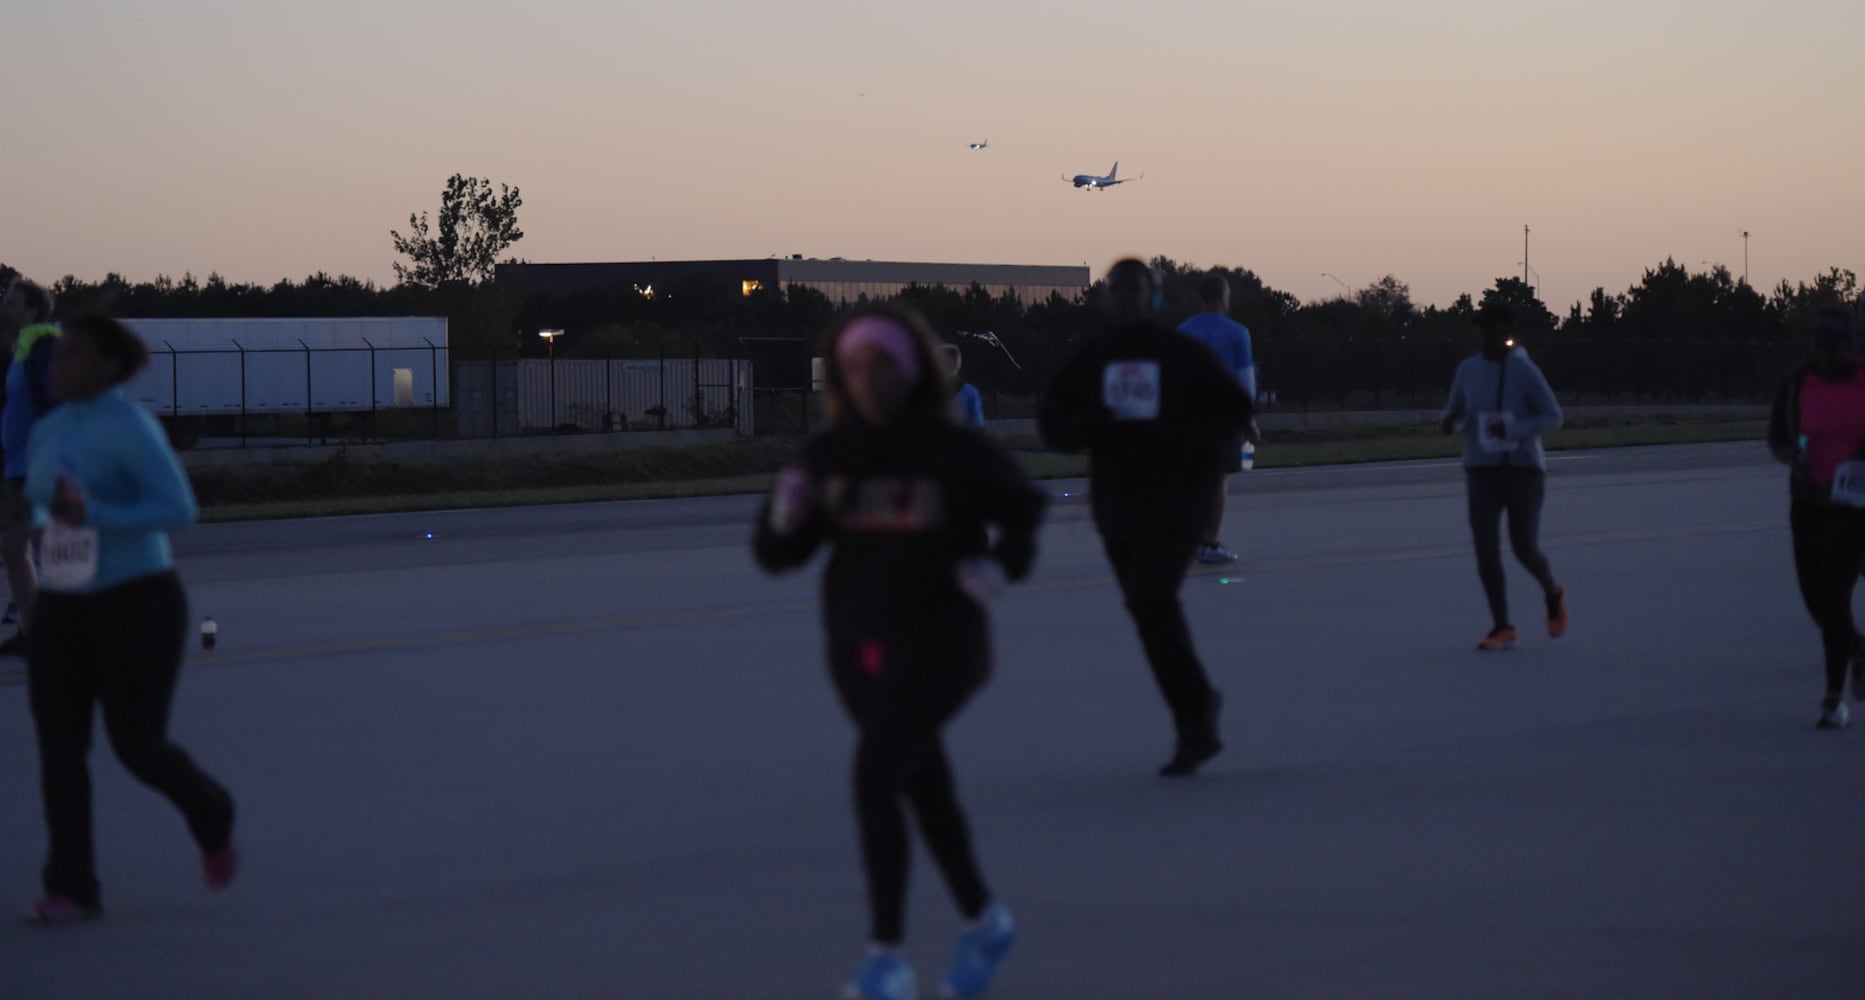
(1131, 389)
(1849, 484)
(67, 557)
(1489, 442)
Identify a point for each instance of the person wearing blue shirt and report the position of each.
(27, 337)
(1230, 341)
(110, 625)
(966, 404)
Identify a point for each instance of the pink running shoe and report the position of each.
(55, 910)
(219, 867)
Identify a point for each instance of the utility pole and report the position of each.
(1745, 256)
(1524, 255)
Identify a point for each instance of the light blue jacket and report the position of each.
(134, 488)
(1514, 386)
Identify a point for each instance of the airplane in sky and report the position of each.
(986, 144)
(1093, 183)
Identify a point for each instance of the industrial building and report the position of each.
(843, 281)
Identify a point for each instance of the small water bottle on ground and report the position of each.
(210, 632)
(1249, 456)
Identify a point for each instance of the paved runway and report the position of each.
(590, 751)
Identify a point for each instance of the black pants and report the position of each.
(900, 700)
(120, 648)
(1829, 542)
(1151, 567)
(1520, 492)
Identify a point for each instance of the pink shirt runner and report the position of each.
(1832, 418)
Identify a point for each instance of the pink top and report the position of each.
(1832, 418)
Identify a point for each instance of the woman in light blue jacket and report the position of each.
(1505, 405)
(110, 626)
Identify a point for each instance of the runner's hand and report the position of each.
(981, 577)
(67, 503)
(1254, 435)
(792, 496)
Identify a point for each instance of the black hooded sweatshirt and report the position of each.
(1156, 411)
(901, 507)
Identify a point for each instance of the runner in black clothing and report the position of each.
(1158, 415)
(905, 496)
(1818, 428)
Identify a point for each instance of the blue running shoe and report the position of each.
(884, 976)
(979, 951)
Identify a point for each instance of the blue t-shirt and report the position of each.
(134, 488)
(1227, 338)
(970, 405)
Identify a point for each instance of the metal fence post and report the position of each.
(242, 351)
(309, 417)
(433, 384)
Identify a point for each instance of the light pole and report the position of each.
(1525, 268)
(1526, 271)
(1745, 256)
(1345, 290)
(550, 339)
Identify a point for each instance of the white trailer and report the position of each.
(231, 367)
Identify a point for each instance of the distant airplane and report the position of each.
(986, 144)
(1093, 183)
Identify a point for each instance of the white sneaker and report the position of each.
(1215, 555)
(1833, 715)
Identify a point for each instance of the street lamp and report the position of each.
(550, 339)
(1345, 289)
(1536, 287)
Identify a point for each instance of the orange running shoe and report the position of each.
(1499, 638)
(1557, 613)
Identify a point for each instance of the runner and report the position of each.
(965, 402)
(1156, 413)
(1505, 405)
(1818, 428)
(1230, 341)
(904, 497)
(27, 337)
(111, 624)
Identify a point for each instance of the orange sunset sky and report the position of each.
(264, 141)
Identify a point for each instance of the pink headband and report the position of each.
(889, 336)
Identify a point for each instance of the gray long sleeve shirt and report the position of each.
(1515, 389)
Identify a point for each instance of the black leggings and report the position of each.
(900, 703)
(1829, 542)
(120, 648)
(1520, 492)
(1151, 568)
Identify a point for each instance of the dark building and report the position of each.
(843, 281)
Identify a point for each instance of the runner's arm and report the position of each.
(164, 499)
(1010, 501)
(1544, 411)
(1224, 399)
(781, 546)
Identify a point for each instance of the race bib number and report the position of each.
(1489, 442)
(1131, 390)
(1849, 484)
(67, 557)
